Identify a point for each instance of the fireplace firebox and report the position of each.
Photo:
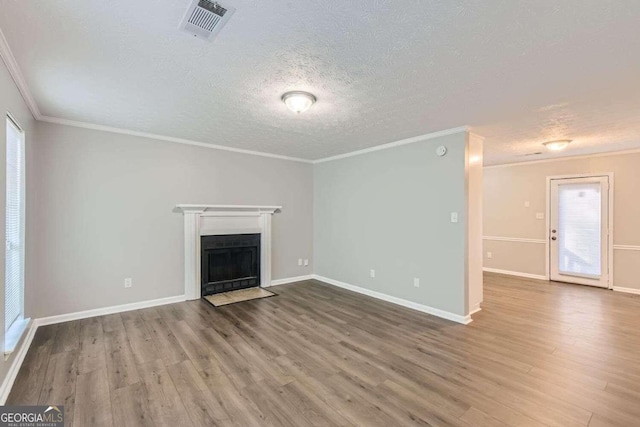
(230, 262)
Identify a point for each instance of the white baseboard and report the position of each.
(540, 277)
(626, 290)
(405, 303)
(13, 370)
(291, 280)
(514, 273)
(108, 310)
(476, 308)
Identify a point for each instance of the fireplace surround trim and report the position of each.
(223, 219)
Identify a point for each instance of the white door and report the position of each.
(578, 230)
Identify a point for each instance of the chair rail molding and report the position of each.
(626, 248)
(207, 220)
(514, 239)
(543, 241)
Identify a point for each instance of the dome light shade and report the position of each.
(557, 145)
(298, 101)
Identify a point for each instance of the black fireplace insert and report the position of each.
(230, 262)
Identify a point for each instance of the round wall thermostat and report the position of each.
(441, 150)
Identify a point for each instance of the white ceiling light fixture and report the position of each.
(298, 101)
(557, 145)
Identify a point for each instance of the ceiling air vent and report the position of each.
(205, 18)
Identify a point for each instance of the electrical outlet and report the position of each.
(527, 204)
(540, 215)
(299, 261)
(306, 262)
(128, 282)
(416, 282)
(372, 273)
(489, 255)
(454, 216)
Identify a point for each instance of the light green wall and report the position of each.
(389, 210)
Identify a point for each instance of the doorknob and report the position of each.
(553, 231)
(554, 238)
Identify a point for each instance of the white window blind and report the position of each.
(14, 266)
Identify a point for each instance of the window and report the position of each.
(14, 321)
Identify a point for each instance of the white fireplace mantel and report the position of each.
(228, 208)
(204, 220)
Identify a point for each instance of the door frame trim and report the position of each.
(609, 175)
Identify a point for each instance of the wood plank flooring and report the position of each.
(315, 355)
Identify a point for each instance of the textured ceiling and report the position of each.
(517, 72)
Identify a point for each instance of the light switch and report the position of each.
(527, 204)
(540, 215)
(372, 273)
(489, 255)
(454, 216)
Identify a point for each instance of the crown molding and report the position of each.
(16, 74)
(14, 70)
(566, 158)
(122, 131)
(398, 143)
(111, 129)
(475, 135)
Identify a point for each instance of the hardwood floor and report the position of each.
(315, 355)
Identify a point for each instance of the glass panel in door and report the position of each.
(580, 229)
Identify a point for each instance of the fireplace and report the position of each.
(217, 220)
(229, 262)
